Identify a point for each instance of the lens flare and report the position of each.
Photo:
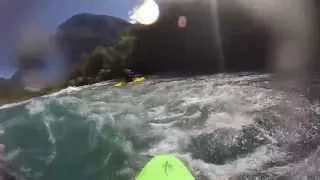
(147, 13)
(182, 21)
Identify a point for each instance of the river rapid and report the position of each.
(225, 126)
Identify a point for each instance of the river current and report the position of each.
(225, 126)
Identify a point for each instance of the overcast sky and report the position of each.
(46, 15)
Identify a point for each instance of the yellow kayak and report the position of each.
(138, 79)
(121, 84)
(135, 81)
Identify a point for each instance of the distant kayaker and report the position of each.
(129, 75)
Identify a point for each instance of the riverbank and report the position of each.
(8, 99)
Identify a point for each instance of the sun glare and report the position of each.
(147, 13)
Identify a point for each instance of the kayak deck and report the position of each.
(138, 79)
(165, 167)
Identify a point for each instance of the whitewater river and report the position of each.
(223, 126)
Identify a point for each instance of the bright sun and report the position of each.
(147, 13)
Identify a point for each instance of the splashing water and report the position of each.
(224, 126)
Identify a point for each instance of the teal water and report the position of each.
(66, 137)
(223, 126)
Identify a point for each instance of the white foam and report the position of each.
(227, 105)
(47, 122)
(67, 90)
(172, 141)
(10, 105)
(35, 106)
(101, 84)
(226, 120)
(218, 101)
(305, 167)
(241, 165)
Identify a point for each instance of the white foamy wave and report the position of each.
(173, 112)
(35, 106)
(226, 120)
(67, 90)
(10, 105)
(240, 166)
(174, 140)
(47, 122)
(101, 84)
(308, 166)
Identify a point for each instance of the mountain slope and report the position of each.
(81, 33)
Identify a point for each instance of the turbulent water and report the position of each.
(223, 126)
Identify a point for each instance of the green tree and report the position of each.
(104, 62)
(126, 44)
(96, 61)
(119, 53)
